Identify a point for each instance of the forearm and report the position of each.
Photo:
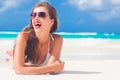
(34, 69)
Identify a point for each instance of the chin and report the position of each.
(37, 30)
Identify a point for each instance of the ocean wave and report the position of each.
(9, 32)
(71, 35)
(108, 34)
(80, 33)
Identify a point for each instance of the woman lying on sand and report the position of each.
(37, 49)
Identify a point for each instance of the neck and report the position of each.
(43, 38)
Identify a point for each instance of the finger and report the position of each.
(61, 62)
(10, 53)
(8, 60)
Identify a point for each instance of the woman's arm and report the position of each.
(56, 49)
(19, 60)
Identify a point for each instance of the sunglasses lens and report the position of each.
(42, 14)
(33, 15)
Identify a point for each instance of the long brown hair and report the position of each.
(32, 42)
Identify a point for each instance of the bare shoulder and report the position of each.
(57, 38)
(56, 45)
(23, 35)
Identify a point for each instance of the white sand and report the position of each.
(85, 59)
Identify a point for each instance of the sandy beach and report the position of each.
(85, 59)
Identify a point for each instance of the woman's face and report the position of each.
(41, 19)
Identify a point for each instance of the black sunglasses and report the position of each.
(40, 14)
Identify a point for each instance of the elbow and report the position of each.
(19, 70)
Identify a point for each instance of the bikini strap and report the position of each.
(52, 37)
(49, 46)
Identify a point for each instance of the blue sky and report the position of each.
(74, 15)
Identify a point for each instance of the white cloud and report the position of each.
(112, 14)
(8, 4)
(86, 4)
(100, 9)
(115, 1)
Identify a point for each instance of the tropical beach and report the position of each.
(89, 28)
(85, 59)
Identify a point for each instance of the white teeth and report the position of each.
(38, 25)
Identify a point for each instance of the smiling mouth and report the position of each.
(37, 26)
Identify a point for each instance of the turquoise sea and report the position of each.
(70, 35)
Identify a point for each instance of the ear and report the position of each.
(52, 21)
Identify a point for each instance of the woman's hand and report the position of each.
(58, 66)
(9, 56)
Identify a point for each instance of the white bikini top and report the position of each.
(48, 54)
